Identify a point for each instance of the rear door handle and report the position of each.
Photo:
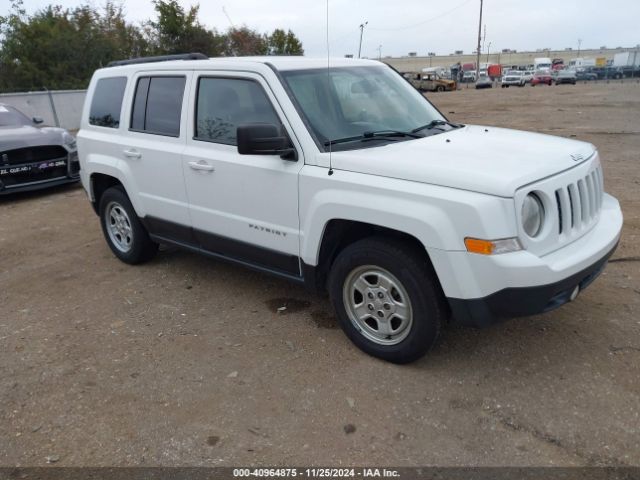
(132, 153)
(201, 165)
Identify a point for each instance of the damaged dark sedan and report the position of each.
(34, 157)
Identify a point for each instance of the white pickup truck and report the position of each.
(346, 180)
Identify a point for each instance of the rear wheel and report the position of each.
(387, 299)
(125, 234)
(439, 88)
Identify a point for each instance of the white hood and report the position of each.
(490, 160)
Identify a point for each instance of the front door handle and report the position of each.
(201, 165)
(132, 153)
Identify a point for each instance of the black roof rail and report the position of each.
(159, 58)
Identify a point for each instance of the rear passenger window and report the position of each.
(225, 103)
(157, 105)
(107, 102)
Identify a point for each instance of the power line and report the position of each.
(224, 10)
(424, 21)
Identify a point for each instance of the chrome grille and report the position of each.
(579, 202)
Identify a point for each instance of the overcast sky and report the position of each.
(402, 26)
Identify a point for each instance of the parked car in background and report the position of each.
(469, 76)
(613, 72)
(586, 75)
(541, 78)
(513, 78)
(430, 82)
(566, 76)
(34, 157)
(527, 76)
(433, 82)
(608, 72)
(484, 81)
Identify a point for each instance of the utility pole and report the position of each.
(579, 44)
(484, 36)
(479, 41)
(362, 25)
(379, 52)
(488, 48)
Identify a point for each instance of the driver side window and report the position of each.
(224, 103)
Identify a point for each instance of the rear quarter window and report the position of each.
(107, 102)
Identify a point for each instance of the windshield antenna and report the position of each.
(330, 172)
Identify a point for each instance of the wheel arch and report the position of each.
(99, 183)
(339, 233)
(103, 178)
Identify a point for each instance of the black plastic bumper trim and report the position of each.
(524, 301)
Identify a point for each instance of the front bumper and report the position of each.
(29, 176)
(524, 301)
(482, 289)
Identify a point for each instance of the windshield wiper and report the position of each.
(435, 123)
(373, 135)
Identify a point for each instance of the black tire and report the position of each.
(142, 248)
(416, 276)
(439, 88)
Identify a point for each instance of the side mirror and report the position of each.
(37, 120)
(264, 139)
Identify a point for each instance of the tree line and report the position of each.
(59, 48)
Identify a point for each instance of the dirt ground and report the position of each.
(186, 361)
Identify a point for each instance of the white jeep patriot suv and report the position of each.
(345, 179)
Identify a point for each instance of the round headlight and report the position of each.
(532, 215)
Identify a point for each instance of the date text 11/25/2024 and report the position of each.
(316, 472)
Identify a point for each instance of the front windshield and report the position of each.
(10, 117)
(351, 101)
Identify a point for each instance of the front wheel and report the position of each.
(387, 299)
(125, 234)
